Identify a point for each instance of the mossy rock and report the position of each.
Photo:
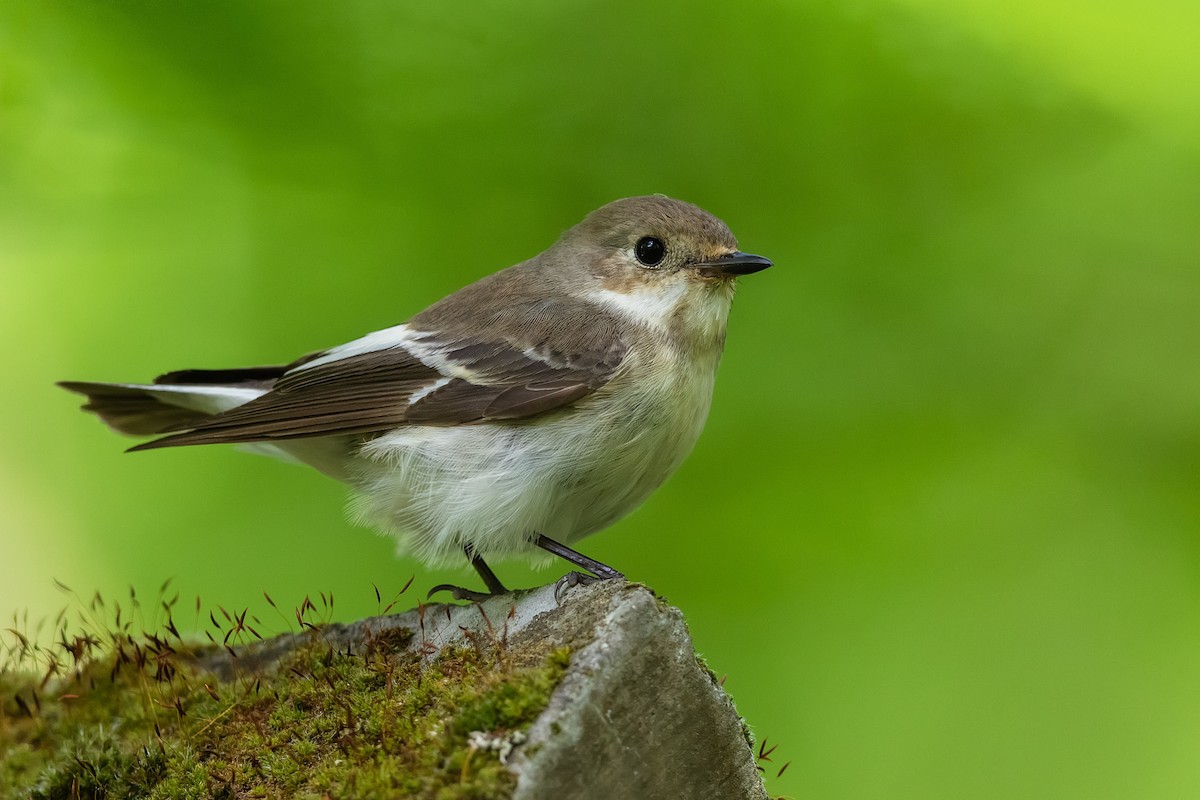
(493, 700)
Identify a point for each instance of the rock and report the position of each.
(601, 696)
(635, 716)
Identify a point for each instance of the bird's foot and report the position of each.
(495, 587)
(573, 579)
(459, 593)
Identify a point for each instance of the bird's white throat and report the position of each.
(680, 308)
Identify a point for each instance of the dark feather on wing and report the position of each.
(371, 392)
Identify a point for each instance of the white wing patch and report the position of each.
(420, 394)
(395, 336)
(420, 344)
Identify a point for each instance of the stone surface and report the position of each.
(635, 716)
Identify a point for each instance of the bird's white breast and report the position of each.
(566, 474)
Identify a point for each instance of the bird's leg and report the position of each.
(490, 580)
(599, 571)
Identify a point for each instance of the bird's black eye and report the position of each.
(650, 251)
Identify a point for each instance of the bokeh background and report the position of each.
(941, 532)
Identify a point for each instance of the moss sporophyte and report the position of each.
(138, 715)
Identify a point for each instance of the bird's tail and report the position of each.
(175, 401)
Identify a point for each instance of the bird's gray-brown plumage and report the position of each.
(548, 398)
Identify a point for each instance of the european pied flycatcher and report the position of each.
(548, 399)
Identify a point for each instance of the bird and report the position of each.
(548, 399)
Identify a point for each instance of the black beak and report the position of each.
(736, 263)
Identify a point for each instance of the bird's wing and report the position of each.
(405, 377)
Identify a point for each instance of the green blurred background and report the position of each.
(942, 529)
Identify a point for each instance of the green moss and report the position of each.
(375, 724)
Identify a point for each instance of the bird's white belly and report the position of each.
(566, 474)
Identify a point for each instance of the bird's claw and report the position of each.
(459, 593)
(573, 579)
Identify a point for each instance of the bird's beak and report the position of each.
(736, 263)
